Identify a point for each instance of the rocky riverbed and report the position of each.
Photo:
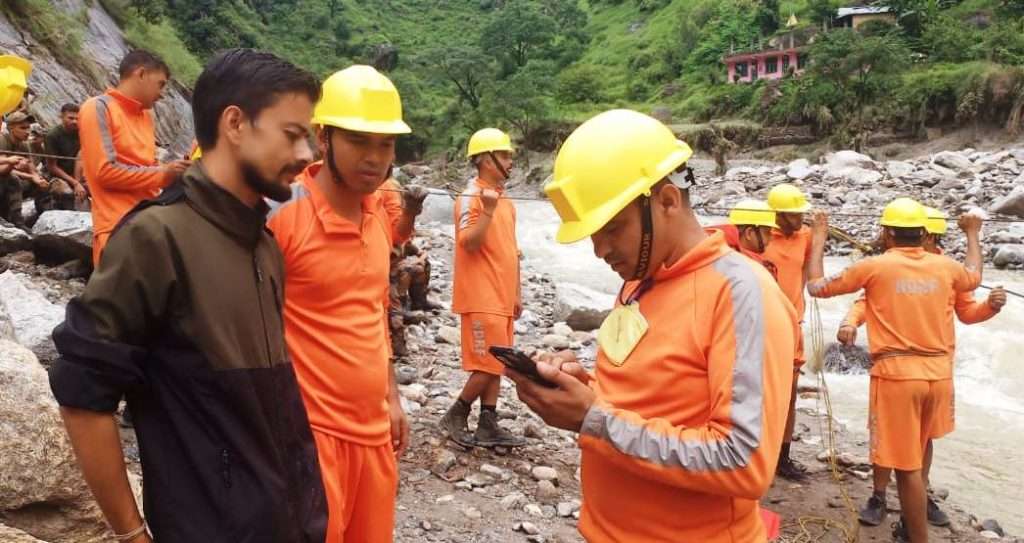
(452, 494)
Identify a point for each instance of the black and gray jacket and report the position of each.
(183, 319)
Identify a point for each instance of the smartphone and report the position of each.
(518, 361)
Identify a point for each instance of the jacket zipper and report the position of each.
(259, 298)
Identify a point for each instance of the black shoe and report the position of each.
(489, 434)
(899, 532)
(454, 423)
(874, 512)
(791, 470)
(936, 517)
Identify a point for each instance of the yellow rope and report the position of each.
(849, 527)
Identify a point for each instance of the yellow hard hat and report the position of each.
(935, 222)
(752, 213)
(488, 139)
(786, 198)
(605, 164)
(904, 213)
(361, 99)
(14, 72)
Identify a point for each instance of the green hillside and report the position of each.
(539, 66)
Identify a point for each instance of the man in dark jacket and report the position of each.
(183, 319)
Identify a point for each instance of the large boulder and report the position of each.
(849, 159)
(1010, 255)
(41, 488)
(13, 239)
(13, 535)
(952, 160)
(799, 169)
(27, 316)
(1011, 204)
(898, 168)
(580, 307)
(62, 236)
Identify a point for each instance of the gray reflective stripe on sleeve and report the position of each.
(465, 203)
(745, 412)
(298, 192)
(107, 139)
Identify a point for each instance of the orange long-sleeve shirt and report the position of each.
(685, 434)
(118, 158)
(335, 311)
(391, 199)
(908, 296)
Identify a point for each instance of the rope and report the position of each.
(849, 528)
(1017, 294)
(39, 155)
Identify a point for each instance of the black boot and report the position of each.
(874, 512)
(455, 424)
(489, 434)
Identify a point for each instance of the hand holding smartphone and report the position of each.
(520, 362)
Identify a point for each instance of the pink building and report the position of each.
(766, 64)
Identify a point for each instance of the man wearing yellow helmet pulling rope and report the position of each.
(681, 424)
(907, 292)
(336, 238)
(486, 288)
(788, 251)
(969, 311)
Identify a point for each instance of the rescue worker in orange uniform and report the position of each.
(681, 424)
(907, 294)
(788, 251)
(968, 311)
(118, 139)
(486, 288)
(749, 231)
(336, 238)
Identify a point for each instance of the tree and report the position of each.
(465, 67)
(768, 17)
(859, 67)
(517, 31)
(821, 11)
(524, 100)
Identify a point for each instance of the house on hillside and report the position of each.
(782, 56)
(856, 16)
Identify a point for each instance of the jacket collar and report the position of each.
(225, 211)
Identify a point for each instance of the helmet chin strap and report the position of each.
(504, 173)
(643, 260)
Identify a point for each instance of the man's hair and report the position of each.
(907, 237)
(69, 108)
(249, 79)
(140, 58)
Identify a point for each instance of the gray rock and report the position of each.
(546, 491)
(952, 160)
(449, 335)
(848, 159)
(534, 510)
(1009, 255)
(580, 307)
(41, 488)
(513, 501)
(26, 311)
(444, 461)
(562, 329)
(992, 525)
(1011, 204)
(898, 168)
(60, 236)
(406, 375)
(565, 509)
(544, 473)
(478, 480)
(472, 513)
(13, 239)
(12, 535)
(555, 341)
(847, 359)
(1014, 233)
(528, 528)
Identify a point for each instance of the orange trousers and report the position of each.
(361, 484)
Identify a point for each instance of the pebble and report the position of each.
(444, 461)
(546, 490)
(565, 509)
(479, 480)
(991, 525)
(544, 473)
(862, 475)
(989, 534)
(562, 329)
(494, 471)
(555, 341)
(533, 510)
(473, 513)
(528, 528)
(405, 375)
(449, 335)
(447, 498)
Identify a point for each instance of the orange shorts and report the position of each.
(904, 416)
(361, 485)
(479, 332)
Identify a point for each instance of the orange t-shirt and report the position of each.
(335, 310)
(118, 160)
(391, 199)
(790, 254)
(487, 280)
(684, 436)
(908, 293)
